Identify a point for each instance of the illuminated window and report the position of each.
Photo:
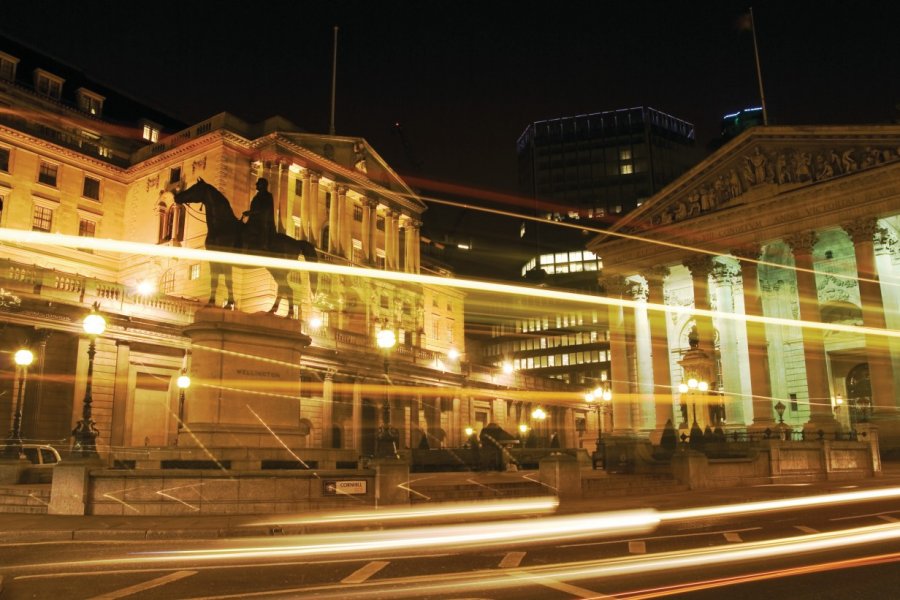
(87, 228)
(626, 169)
(47, 174)
(90, 102)
(150, 133)
(47, 84)
(624, 154)
(91, 188)
(195, 271)
(42, 219)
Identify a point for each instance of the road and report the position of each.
(829, 550)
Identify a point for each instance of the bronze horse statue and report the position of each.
(225, 234)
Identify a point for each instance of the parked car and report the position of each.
(41, 454)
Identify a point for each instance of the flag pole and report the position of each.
(334, 80)
(762, 96)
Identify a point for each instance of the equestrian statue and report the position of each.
(227, 233)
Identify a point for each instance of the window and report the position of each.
(174, 174)
(87, 228)
(4, 160)
(90, 102)
(47, 174)
(379, 223)
(91, 188)
(8, 66)
(47, 84)
(626, 169)
(42, 219)
(151, 133)
(195, 271)
(357, 213)
(298, 187)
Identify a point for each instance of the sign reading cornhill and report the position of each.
(335, 487)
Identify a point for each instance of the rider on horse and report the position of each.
(260, 227)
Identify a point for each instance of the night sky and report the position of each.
(466, 78)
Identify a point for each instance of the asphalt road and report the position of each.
(808, 552)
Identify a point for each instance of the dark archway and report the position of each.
(337, 436)
(859, 394)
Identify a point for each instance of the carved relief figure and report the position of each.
(359, 157)
(835, 161)
(734, 184)
(782, 173)
(694, 200)
(847, 161)
(758, 161)
(801, 166)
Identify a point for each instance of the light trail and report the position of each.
(30, 238)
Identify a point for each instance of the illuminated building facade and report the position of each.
(89, 162)
(789, 236)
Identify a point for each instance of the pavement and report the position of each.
(21, 528)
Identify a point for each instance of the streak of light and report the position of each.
(446, 537)
(638, 238)
(278, 438)
(775, 505)
(448, 510)
(30, 238)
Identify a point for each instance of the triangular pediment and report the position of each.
(764, 162)
(354, 155)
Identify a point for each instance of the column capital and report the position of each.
(341, 189)
(861, 230)
(747, 252)
(371, 202)
(613, 285)
(656, 275)
(638, 290)
(723, 273)
(314, 176)
(803, 242)
(699, 264)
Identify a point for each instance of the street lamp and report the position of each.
(183, 382)
(85, 433)
(539, 415)
(23, 358)
(386, 439)
(600, 400)
(691, 388)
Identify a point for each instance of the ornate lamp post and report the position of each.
(23, 358)
(600, 399)
(386, 438)
(183, 382)
(691, 389)
(85, 433)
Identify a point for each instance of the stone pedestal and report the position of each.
(11, 470)
(69, 492)
(562, 473)
(245, 380)
(391, 481)
(691, 468)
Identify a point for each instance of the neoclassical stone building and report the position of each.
(780, 251)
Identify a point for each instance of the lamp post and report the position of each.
(539, 415)
(691, 389)
(85, 433)
(23, 358)
(600, 399)
(385, 439)
(183, 382)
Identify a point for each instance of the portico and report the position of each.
(781, 250)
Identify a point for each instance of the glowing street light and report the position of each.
(183, 382)
(23, 358)
(85, 432)
(386, 439)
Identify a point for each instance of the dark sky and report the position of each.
(465, 78)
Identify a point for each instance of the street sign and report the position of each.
(335, 487)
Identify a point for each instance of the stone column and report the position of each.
(416, 230)
(334, 222)
(455, 433)
(395, 240)
(305, 206)
(283, 210)
(619, 379)
(570, 439)
(368, 229)
(700, 266)
(315, 225)
(415, 425)
(327, 409)
(343, 222)
(732, 383)
(659, 347)
(757, 344)
(821, 416)
(645, 417)
(120, 396)
(878, 350)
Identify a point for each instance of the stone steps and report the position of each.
(27, 499)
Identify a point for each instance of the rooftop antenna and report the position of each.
(762, 96)
(333, 81)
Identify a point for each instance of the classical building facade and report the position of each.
(777, 258)
(74, 162)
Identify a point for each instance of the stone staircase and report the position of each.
(461, 489)
(603, 485)
(30, 498)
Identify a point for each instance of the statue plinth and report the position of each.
(245, 380)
